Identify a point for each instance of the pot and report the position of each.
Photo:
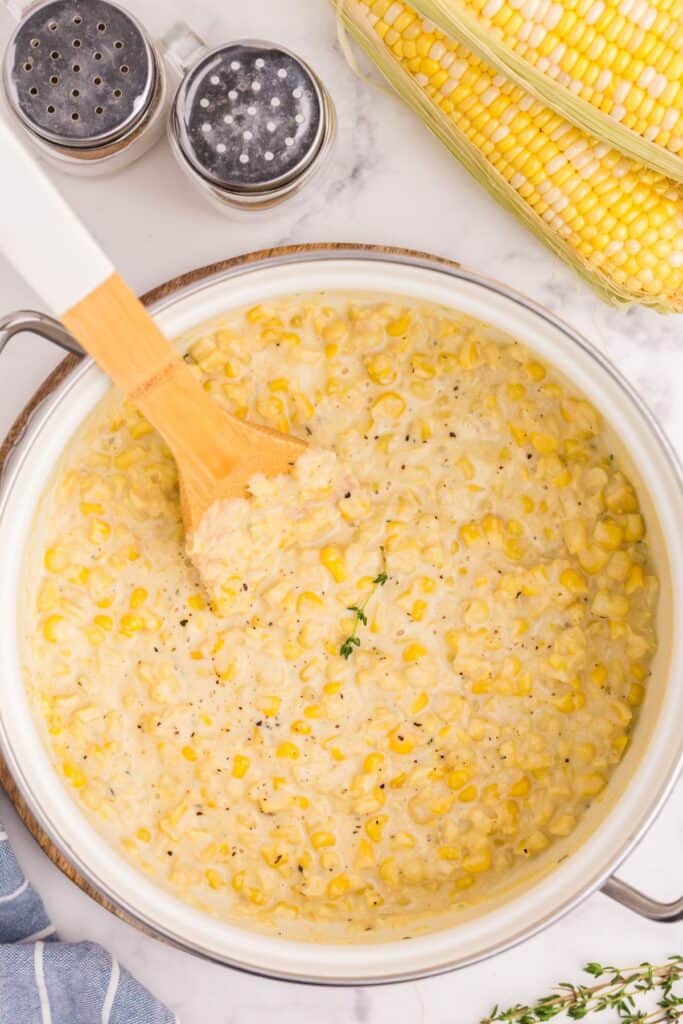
(575, 868)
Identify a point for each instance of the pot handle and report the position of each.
(38, 323)
(641, 904)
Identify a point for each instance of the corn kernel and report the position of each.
(478, 862)
(240, 766)
(466, 468)
(420, 702)
(593, 559)
(287, 750)
(519, 435)
(98, 531)
(611, 606)
(469, 355)
(573, 581)
(322, 839)
(477, 612)
(400, 743)
(575, 535)
(470, 534)
(51, 630)
(130, 624)
(634, 527)
(214, 878)
(338, 886)
(74, 774)
(269, 706)
(635, 695)
(372, 762)
(308, 601)
(140, 429)
(598, 675)
(591, 784)
(399, 326)
(331, 557)
(608, 533)
(520, 788)
(138, 597)
(536, 371)
(570, 702)
(389, 404)
(413, 652)
(544, 443)
(91, 508)
(388, 871)
(374, 827)
(457, 778)
(619, 744)
(562, 825)
(635, 579)
(453, 638)
(534, 843)
(468, 794)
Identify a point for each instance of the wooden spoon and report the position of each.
(216, 453)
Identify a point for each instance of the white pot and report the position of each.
(572, 870)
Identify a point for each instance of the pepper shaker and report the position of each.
(250, 124)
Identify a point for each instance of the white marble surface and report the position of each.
(390, 183)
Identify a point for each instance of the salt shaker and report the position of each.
(86, 84)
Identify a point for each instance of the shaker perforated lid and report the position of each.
(79, 73)
(250, 117)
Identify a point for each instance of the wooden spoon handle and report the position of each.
(40, 235)
(48, 245)
(114, 327)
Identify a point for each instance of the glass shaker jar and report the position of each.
(250, 124)
(85, 83)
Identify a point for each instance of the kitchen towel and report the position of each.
(46, 981)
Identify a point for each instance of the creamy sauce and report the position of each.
(459, 517)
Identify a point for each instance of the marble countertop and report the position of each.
(390, 183)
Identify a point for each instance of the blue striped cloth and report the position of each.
(46, 981)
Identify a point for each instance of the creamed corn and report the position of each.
(221, 739)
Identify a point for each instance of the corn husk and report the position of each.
(664, 292)
(460, 20)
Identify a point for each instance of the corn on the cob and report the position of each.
(613, 67)
(618, 223)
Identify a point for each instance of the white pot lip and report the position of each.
(272, 951)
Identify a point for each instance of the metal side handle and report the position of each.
(38, 323)
(641, 904)
(182, 48)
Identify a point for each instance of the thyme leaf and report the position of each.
(359, 617)
(618, 990)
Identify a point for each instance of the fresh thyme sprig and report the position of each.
(618, 991)
(360, 618)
